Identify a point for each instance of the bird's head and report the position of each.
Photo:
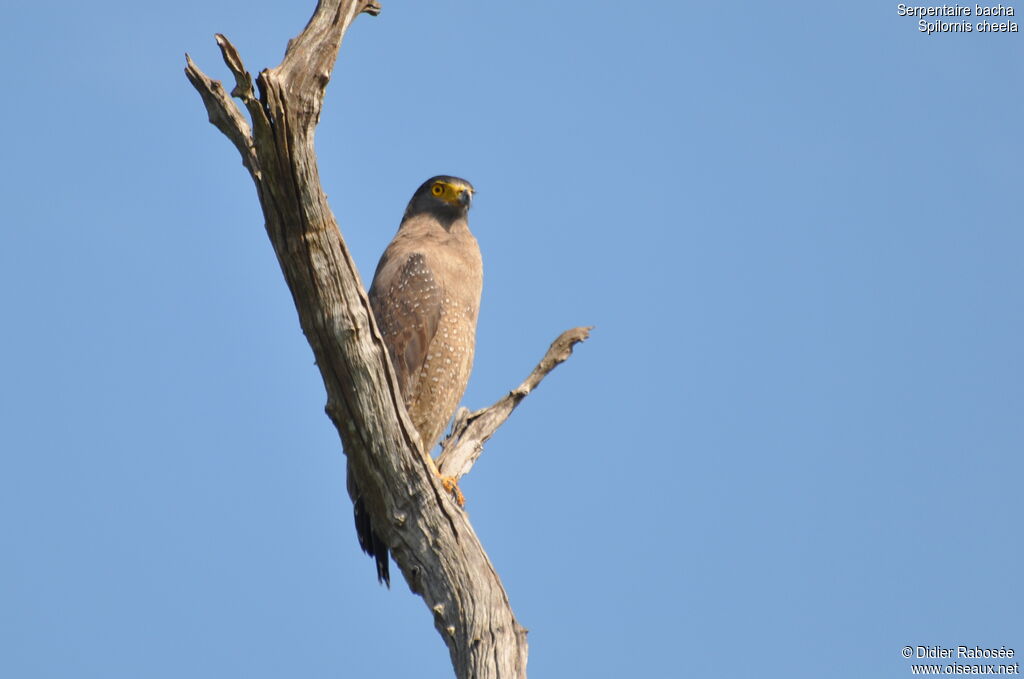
(446, 197)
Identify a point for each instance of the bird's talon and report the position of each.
(451, 484)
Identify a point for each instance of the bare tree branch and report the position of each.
(223, 113)
(470, 431)
(429, 536)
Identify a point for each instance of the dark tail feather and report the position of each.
(371, 542)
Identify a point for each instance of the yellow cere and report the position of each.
(449, 192)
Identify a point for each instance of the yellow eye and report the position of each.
(437, 189)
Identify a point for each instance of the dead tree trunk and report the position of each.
(430, 537)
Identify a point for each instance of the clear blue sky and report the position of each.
(792, 446)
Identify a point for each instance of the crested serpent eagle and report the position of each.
(425, 297)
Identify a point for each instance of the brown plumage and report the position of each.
(425, 297)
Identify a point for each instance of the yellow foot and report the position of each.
(451, 484)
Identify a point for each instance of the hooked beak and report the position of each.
(465, 197)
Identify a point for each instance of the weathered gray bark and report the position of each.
(430, 537)
(470, 431)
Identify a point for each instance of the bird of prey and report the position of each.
(425, 297)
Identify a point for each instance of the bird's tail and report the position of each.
(371, 543)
